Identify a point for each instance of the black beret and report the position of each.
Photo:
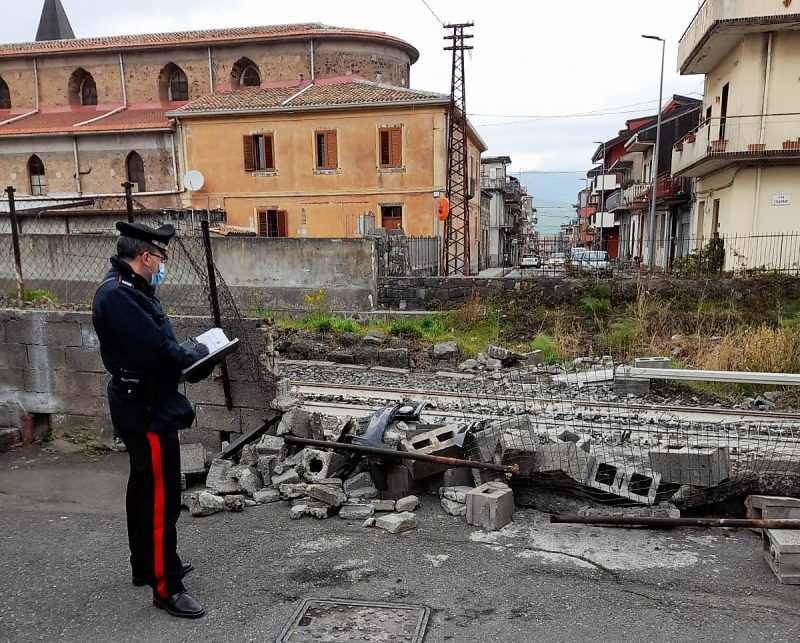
(159, 237)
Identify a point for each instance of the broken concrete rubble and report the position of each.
(193, 458)
(288, 477)
(409, 503)
(247, 478)
(220, 477)
(361, 487)
(318, 465)
(356, 512)
(234, 503)
(205, 504)
(397, 523)
(439, 442)
(266, 496)
(329, 494)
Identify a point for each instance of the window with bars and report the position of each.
(38, 180)
(178, 86)
(135, 170)
(5, 95)
(88, 91)
(251, 77)
(391, 144)
(326, 152)
(272, 223)
(259, 153)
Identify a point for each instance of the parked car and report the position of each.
(596, 262)
(576, 254)
(529, 261)
(556, 260)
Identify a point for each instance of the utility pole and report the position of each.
(456, 250)
(656, 151)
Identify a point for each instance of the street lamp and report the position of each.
(602, 191)
(651, 244)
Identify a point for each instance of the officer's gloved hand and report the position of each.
(197, 350)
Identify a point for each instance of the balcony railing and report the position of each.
(637, 193)
(722, 141)
(616, 201)
(714, 11)
(488, 183)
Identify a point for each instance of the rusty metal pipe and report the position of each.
(618, 521)
(402, 455)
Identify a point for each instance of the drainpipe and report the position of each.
(122, 81)
(175, 163)
(763, 132)
(210, 72)
(311, 46)
(36, 82)
(78, 185)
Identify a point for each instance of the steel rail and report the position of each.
(545, 401)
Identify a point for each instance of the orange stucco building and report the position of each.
(315, 158)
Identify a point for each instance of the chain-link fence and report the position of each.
(581, 431)
(56, 260)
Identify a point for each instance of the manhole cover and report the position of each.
(331, 620)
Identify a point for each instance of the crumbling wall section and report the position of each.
(50, 369)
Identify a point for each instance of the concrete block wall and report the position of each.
(50, 370)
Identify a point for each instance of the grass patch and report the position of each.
(39, 293)
(547, 345)
(596, 306)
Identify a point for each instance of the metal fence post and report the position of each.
(128, 200)
(12, 212)
(214, 299)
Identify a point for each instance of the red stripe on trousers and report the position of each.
(158, 515)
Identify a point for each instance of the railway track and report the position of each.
(685, 413)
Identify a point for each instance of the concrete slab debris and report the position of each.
(455, 494)
(234, 503)
(193, 458)
(270, 445)
(454, 508)
(266, 467)
(439, 442)
(205, 504)
(220, 478)
(318, 465)
(267, 496)
(319, 510)
(361, 487)
(409, 503)
(329, 494)
(289, 491)
(288, 477)
(699, 467)
(397, 523)
(782, 553)
(772, 507)
(356, 512)
(383, 505)
(248, 479)
(297, 512)
(567, 457)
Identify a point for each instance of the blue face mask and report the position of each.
(158, 277)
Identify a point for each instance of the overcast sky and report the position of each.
(531, 58)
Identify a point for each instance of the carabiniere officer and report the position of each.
(140, 351)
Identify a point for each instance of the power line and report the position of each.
(596, 111)
(564, 117)
(441, 22)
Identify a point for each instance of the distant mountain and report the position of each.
(554, 196)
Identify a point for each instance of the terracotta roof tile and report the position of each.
(324, 93)
(66, 121)
(204, 37)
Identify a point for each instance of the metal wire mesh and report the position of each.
(568, 430)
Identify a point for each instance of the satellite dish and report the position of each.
(193, 180)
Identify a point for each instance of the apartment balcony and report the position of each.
(602, 220)
(719, 24)
(616, 201)
(492, 184)
(637, 196)
(721, 142)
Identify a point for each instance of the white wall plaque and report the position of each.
(781, 199)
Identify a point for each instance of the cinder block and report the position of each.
(249, 395)
(490, 506)
(46, 357)
(318, 465)
(13, 356)
(700, 467)
(89, 337)
(399, 481)
(193, 458)
(209, 391)
(62, 334)
(12, 380)
(782, 553)
(567, 457)
(83, 360)
(639, 485)
(606, 476)
(631, 386)
(439, 442)
(772, 507)
(218, 418)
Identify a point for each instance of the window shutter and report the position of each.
(282, 223)
(396, 147)
(385, 145)
(263, 230)
(249, 154)
(331, 156)
(269, 154)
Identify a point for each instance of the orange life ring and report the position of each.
(443, 208)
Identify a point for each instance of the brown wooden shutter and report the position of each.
(263, 228)
(249, 153)
(396, 147)
(331, 155)
(269, 154)
(385, 145)
(282, 227)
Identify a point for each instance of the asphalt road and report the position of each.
(63, 571)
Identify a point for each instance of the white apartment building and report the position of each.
(745, 155)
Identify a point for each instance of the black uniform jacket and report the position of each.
(140, 351)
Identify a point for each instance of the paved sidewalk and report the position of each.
(63, 574)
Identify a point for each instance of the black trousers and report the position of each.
(153, 506)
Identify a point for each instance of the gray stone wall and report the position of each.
(50, 366)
